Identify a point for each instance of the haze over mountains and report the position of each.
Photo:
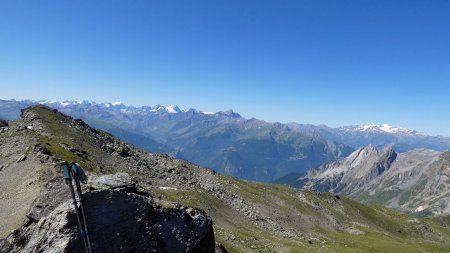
(245, 148)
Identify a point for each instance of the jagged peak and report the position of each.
(388, 149)
(372, 150)
(366, 149)
(230, 113)
(172, 109)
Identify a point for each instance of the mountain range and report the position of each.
(225, 141)
(138, 201)
(417, 181)
(231, 144)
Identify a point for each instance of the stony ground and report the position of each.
(120, 218)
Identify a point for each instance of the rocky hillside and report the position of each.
(416, 181)
(36, 204)
(170, 195)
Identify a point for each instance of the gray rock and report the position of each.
(3, 123)
(110, 181)
(54, 194)
(220, 248)
(81, 153)
(118, 221)
(21, 158)
(38, 148)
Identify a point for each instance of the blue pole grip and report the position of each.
(74, 169)
(66, 170)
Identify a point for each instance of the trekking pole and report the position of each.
(79, 175)
(68, 179)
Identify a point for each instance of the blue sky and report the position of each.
(331, 62)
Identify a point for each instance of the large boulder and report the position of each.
(119, 220)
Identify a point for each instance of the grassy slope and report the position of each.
(318, 222)
(61, 134)
(384, 230)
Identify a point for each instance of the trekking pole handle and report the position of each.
(66, 171)
(74, 168)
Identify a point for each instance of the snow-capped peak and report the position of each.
(172, 109)
(168, 109)
(386, 128)
(62, 103)
(65, 103)
(121, 107)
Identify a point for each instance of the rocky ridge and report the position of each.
(416, 181)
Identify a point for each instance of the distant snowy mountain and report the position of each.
(378, 135)
(119, 106)
(380, 128)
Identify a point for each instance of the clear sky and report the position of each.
(331, 62)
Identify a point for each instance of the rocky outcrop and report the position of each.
(415, 181)
(353, 172)
(3, 126)
(120, 219)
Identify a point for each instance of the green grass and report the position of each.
(378, 198)
(62, 134)
(381, 235)
(412, 192)
(376, 242)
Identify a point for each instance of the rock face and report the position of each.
(3, 126)
(415, 181)
(353, 172)
(119, 220)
